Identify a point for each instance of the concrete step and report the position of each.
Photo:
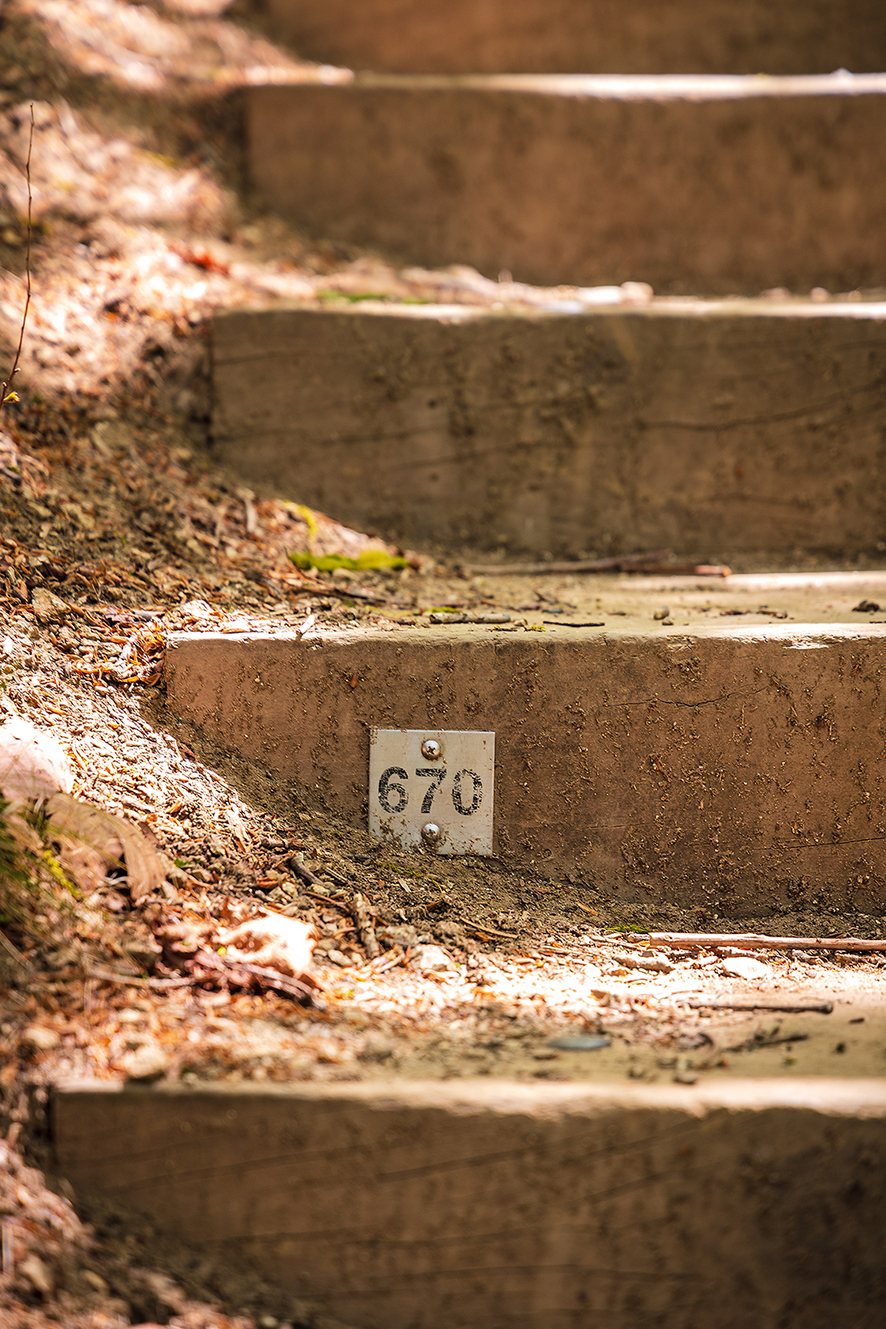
(695, 184)
(747, 1205)
(719, 428)
(582, 36)
(728, 754)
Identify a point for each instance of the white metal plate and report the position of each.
(454, 792)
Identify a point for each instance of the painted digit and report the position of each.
(457, 797)
(387, 785)
(437, 776)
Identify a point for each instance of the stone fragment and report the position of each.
(40, 1038)
(432, 959)
(273, 942)
(32, 763)
(579, 1042)
(746, 968)
(38, 1274)
(46, 605)
(147, 1063)
(95, 1281)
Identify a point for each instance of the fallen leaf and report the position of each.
(107, 834)
(85, 865)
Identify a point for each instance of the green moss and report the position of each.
(371, 560)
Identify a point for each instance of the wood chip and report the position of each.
(363, 918)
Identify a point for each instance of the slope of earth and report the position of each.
(116, 529)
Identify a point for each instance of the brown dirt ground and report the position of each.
(110, 503)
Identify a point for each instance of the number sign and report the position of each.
(432, 787)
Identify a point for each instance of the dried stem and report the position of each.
(754, 941)
(5, 394)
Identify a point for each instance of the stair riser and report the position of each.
(434, 1206)
(738, 770)
(575, 36)
(711, 432)
(699, 196)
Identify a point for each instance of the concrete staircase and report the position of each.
(599, 36)
(748, 427)
(682, 754)
(726, 429)
(711, 184)
(718, 425)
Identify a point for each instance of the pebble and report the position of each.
(41, 1038)
(149, 1062)
(431, 959)
(32, 763)
(746, 968)
(579, 1042)
(95, 1281)
(38, 1274)
(46, 605)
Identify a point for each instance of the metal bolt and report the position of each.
(431, 749)
(430, 832)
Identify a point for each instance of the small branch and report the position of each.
(652, 963)
(13, 952)
(235, 970)
(317, 588)
(754, 941)
(7, 1248)
(5, 394)
(483, 931)
(654, 562)
(759, 1004)
(617, 563)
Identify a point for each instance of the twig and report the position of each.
(482, 930)
(292, 987)
(317, 588)
(5, 394)
(649, 962)
(390, 962)
(655, 561)
(363, 918)
(754, 941)
(685, 569)
(616, 563)
(12, 951)
(7, 1252)
(160, 984)
(297, 867)
(758, 1004)
(765, 1041)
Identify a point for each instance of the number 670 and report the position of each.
(394, 796)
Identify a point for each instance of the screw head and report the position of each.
(430, 832)
(431, 749)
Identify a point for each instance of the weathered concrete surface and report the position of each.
(735, 767)
(583, 36)
(708, 427)
(450, 1206)
(695, 185)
